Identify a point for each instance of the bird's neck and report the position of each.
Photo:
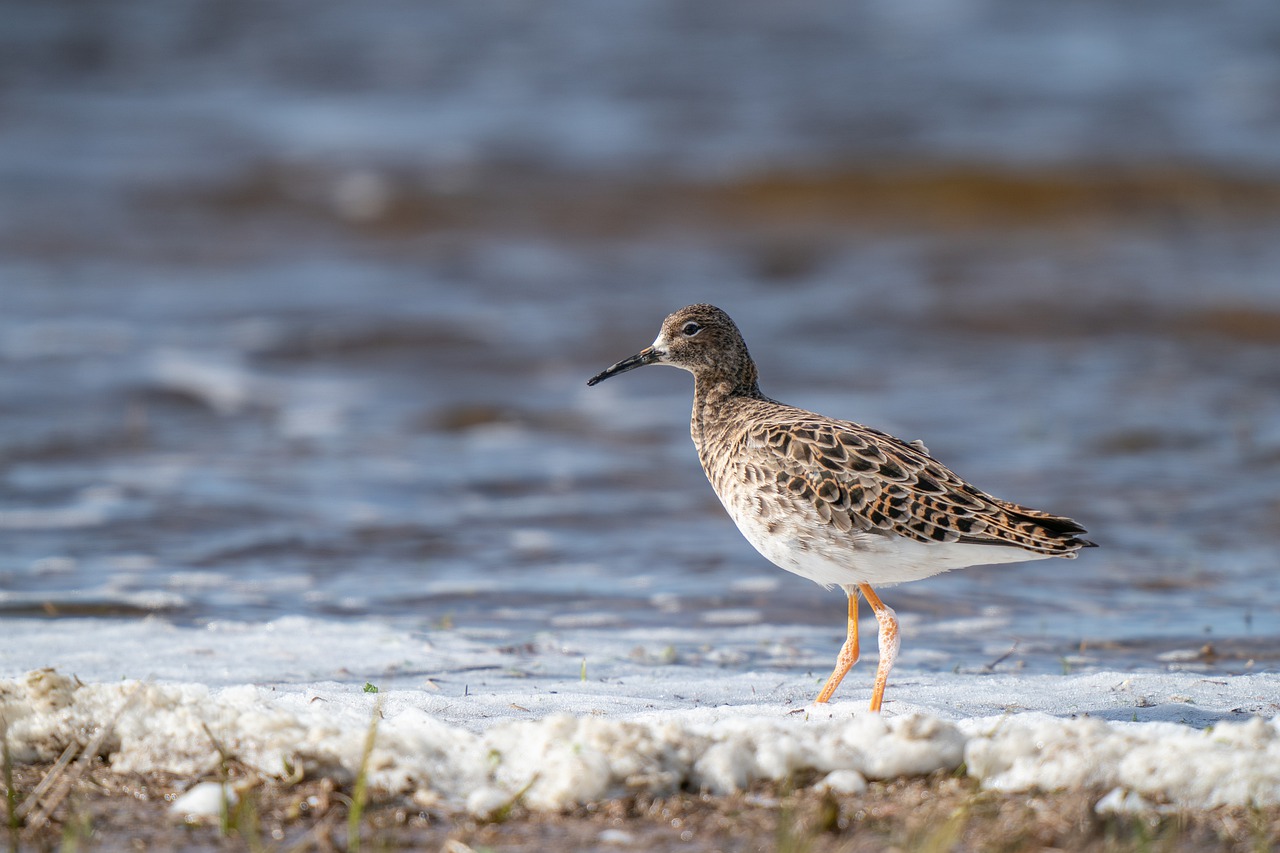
(714, 399)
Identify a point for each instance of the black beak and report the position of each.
(648, 355)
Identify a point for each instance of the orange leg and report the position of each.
(888, 642)
(848, 652)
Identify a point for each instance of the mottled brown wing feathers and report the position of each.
(859, 478)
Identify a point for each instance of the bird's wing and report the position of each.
(861, 479)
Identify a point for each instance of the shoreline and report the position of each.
(482, 746)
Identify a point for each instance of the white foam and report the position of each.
(204, 802)
(1230, 764)
(476, 725)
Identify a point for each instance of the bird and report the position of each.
(832, 500)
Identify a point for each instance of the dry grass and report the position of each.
(107, 811)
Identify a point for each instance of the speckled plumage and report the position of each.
(832, 500)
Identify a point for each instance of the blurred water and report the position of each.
(299, 302)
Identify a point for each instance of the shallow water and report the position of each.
(282, 336)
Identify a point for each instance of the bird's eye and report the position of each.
(690, 329)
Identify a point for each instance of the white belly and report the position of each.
(825, 555)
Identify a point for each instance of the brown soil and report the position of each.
(803, 203)
(106, 811)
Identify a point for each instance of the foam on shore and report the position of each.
(555, 741)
